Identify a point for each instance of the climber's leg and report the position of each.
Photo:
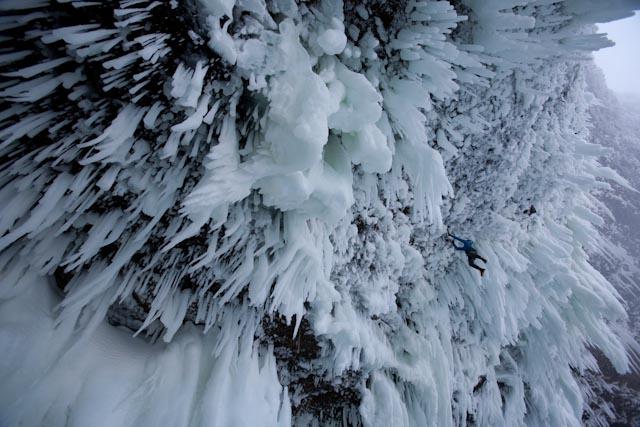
(471, 257)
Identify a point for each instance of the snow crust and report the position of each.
(258, 173)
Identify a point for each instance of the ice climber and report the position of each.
(472, 254)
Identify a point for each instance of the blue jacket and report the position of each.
(467, 245)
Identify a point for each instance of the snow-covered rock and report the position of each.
(259, 191)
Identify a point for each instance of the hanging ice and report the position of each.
(258, 192)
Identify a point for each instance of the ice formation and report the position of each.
(259, 192)
(615, 120)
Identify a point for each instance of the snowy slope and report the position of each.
(260, 191)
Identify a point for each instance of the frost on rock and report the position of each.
(258, 191)
(615, 125)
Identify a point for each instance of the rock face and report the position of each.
(616, 125)
(260, 191)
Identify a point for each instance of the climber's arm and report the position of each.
(457, 238)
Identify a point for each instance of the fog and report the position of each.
(621, 63)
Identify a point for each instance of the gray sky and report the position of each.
(621, 63)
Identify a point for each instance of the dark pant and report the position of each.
(472, 256)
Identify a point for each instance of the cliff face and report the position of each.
(615, 120)
(261, 191)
